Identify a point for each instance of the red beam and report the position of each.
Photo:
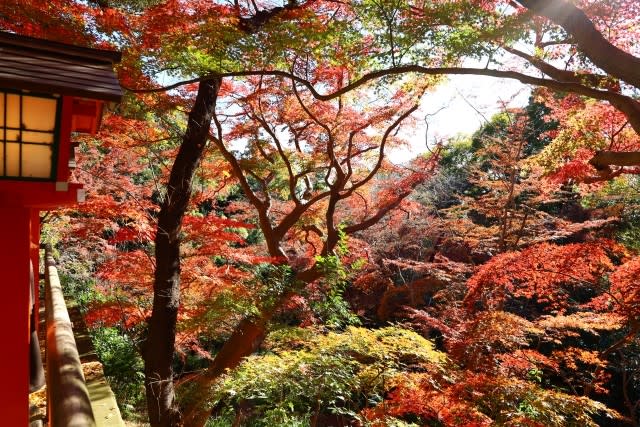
(38, 195)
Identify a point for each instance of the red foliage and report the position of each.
(624, 293)
(578, 168)
(546, 273)
(124, 313)
(521, 362)
(418, 395)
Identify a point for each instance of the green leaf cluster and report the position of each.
(333, 308)
(123, 367)
(620, 196)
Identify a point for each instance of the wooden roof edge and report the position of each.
(100, 94)
(99, 55)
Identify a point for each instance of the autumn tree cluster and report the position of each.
(248, 255)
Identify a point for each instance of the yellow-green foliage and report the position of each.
(305, 371)
(578, 131)
(480, 400)
(507, 399)
(387, 376)
(392, 345)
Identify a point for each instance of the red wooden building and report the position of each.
(48, 91)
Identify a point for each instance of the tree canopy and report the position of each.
(246, 236)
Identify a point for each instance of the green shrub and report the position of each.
(305, 372)
(123, 367)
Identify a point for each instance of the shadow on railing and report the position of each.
(67, 396)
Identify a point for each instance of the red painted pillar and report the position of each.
(15, 254)
(36, 370)
(34, 250)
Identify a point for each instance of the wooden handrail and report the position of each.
(67, 396)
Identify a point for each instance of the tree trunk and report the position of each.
(244, 341)
(600, 51)
(160, 344)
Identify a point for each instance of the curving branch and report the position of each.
(252, 24)
(381, 147)
(333, 161)
(595, 80)
(262, 206)
(604, 159)
(293, 181)
(384, 210)
(627, 105)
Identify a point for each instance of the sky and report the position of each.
(459, 107)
